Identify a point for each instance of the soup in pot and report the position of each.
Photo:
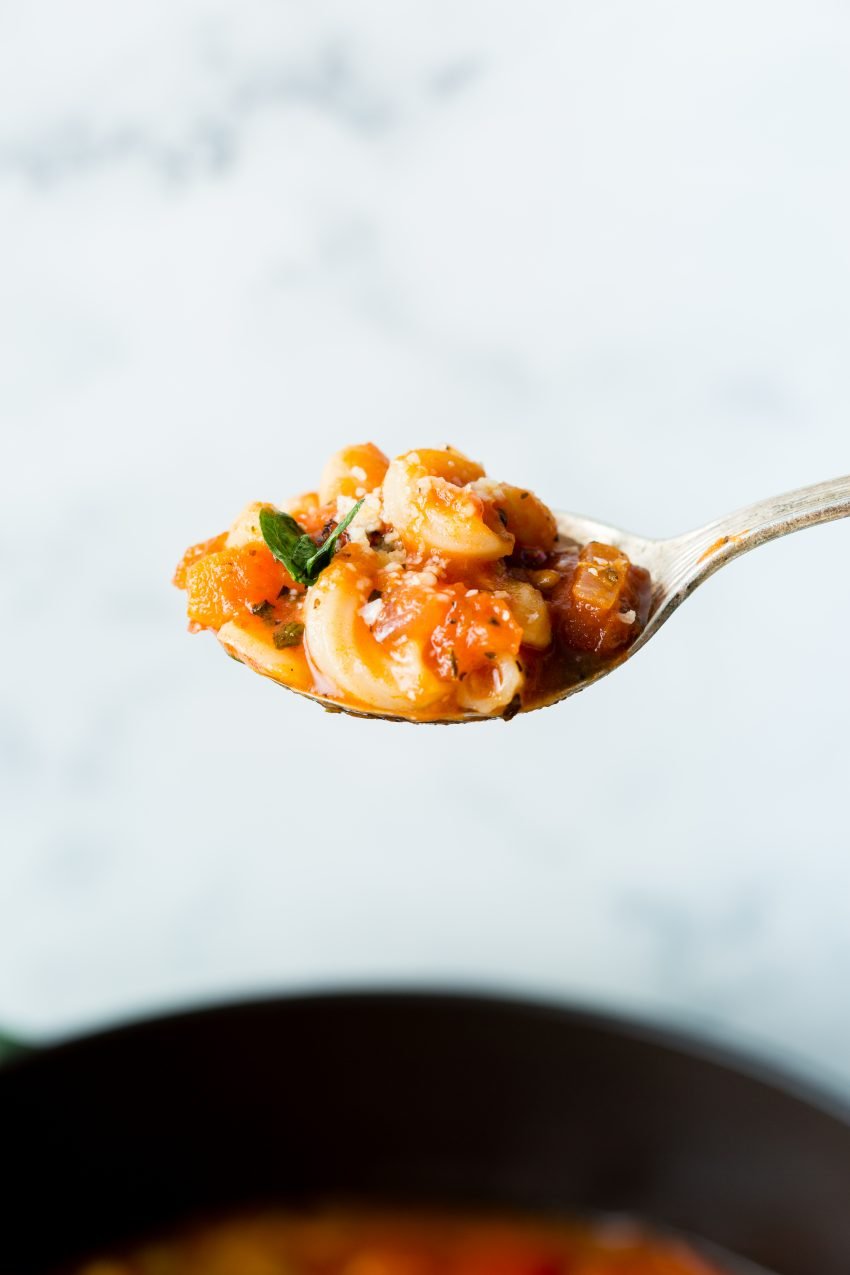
(339, 1242)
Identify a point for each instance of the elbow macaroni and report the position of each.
(449, 595)
(391, 677)
(428, 499)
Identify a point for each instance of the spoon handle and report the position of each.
(775, 517)
(692, 558)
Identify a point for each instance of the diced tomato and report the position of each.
(602, 604)
(477, 628)
(408, 610)
(224, 584)
(193, 553)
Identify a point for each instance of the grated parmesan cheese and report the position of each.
(368, 518)
(424, 579)
(489, 488)
(370, 611)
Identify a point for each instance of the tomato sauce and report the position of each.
(365, 1243)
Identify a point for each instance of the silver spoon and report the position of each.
(679, 565)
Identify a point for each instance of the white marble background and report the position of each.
(602, 246)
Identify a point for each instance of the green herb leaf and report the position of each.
(299, 553)
(281, 533)
(288, 634)
(265, 610)
(326, 551)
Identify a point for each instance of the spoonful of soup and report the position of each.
(418, 589)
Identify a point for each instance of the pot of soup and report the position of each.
(414, 1134)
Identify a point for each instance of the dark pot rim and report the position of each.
(689, 1042)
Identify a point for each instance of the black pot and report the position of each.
(424, 1098)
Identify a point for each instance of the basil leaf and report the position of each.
(280, 532)
(326, 551)
(299, 553)
(302, 556)
(283, 535)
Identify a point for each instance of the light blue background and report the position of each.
(602, 247)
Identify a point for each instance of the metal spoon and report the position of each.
(679, 565)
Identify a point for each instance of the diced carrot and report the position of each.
(223, 584)
(193, 553)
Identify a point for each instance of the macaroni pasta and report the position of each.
(440, 594)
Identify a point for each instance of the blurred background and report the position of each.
(604, 248)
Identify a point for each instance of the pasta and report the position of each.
(415, 588)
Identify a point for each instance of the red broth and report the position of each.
(338, 1242)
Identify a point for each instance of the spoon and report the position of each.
(678, 565)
